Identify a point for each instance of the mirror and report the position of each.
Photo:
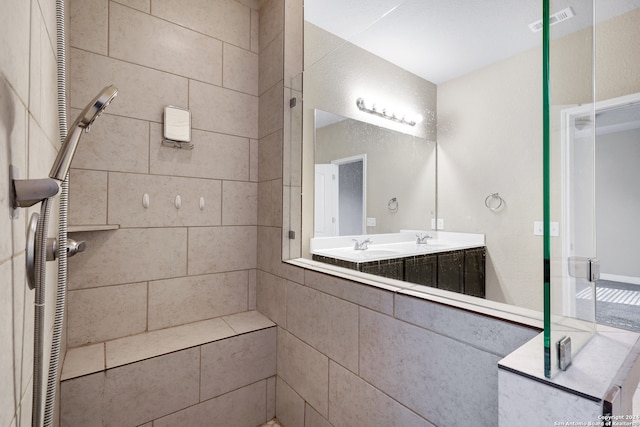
(473, 71)
(370, 179)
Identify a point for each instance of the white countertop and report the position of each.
(393, 245)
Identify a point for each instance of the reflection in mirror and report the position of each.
(370, 179)
(475, 76)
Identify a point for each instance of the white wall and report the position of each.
(618, 202)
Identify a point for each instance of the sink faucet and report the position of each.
(421, 239)
(361, 246)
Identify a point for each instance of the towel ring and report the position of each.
(493, 202)
(393, 205)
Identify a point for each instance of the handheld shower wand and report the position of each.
(84, 121)
(28, 192)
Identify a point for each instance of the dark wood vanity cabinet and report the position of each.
(461, 271)
(393, 268)
(451, 271)
(422, 270)
(474, 272)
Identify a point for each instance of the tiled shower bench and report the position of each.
(222, 368)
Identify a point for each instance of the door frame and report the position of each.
(567, 118)
(353, 159)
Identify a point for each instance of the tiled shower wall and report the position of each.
(29, 140)
(164, 266)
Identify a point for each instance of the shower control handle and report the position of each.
(73, 248)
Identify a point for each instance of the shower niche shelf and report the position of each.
(82, 228)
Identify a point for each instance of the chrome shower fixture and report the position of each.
(28, 192)
(83, 122)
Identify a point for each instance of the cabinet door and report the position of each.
(392, 269)
(474, 272)
(422, 270)
(451, 271)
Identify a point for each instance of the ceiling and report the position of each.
(442, 39)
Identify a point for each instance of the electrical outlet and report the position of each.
(433, 223)
(440, 224)
(554, 228)
(371, 222)
(538, 228)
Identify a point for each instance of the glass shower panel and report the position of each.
(569, 221)
(292, 167)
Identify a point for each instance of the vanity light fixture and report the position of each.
(407, 119)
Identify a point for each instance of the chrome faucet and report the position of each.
(361, 246)
(421, 239)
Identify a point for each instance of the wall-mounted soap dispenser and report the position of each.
(177, 128)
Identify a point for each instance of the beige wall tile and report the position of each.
(81, 402)
(150, 344)
(188, 299)
(14, 45)
(248, 321)
(218, 249)
(227, 20)
(270, 203)
(43, 85)
(353, 402)
(270, 255)
(255, 24)
(366, 296)
(327, 323)
(143, 39)
(485, 333)
(271, 21)
(132, 394)
(305, 369)
(253, 160)
(270, 157)
(223, 110)
(289, 405)
(87, 197)
(313, 419)
(114, 257)
(242, 407)
(115, 143)
(272, 107)
(142, 5)
(293, 39)
(234, 362)
(42, 153)
(271, 64)
(460, 393)
(83, 360)
(239, 203)
(102, 314)
(240, 70)
(13, 142)
(215, 155)
(126, 192)
(271, 296)
(271, 398)
(252, 289)
(138, 95)
(7, 391)
(88, 25)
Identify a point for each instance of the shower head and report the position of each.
(83, 122)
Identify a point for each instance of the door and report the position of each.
(326, 200)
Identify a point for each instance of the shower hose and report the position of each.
(37, 419)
